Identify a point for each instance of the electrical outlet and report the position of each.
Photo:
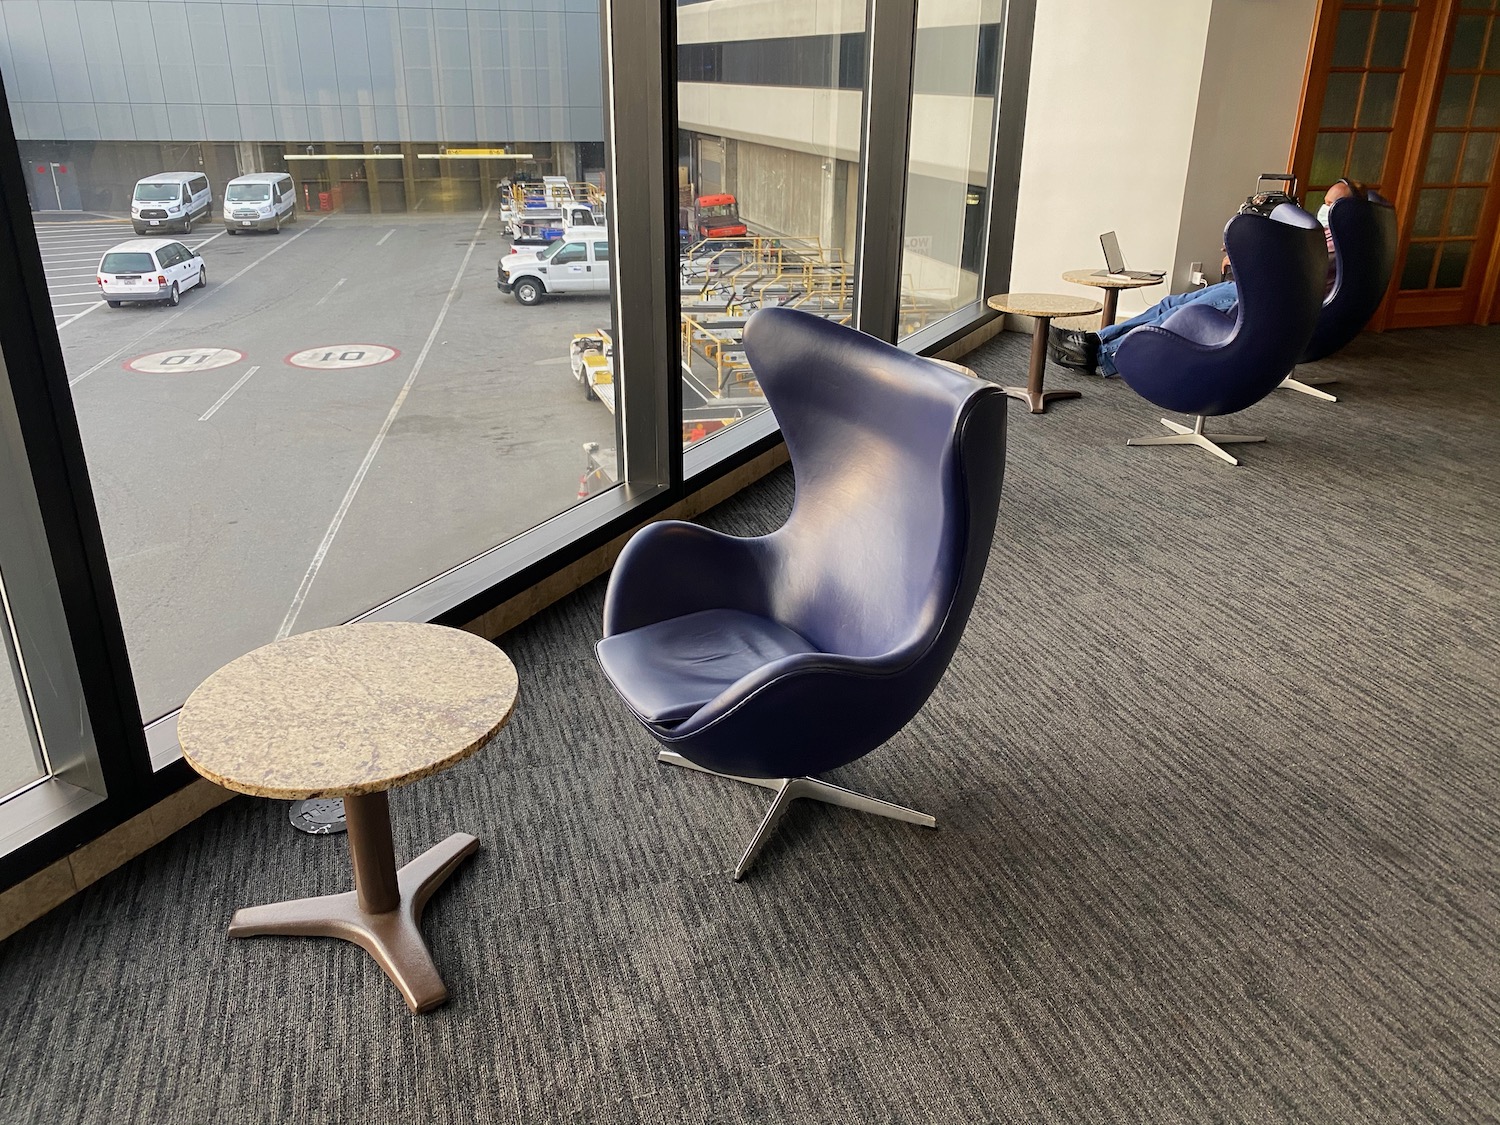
(1195, 273)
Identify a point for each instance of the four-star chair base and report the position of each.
(1181, 435)
(787, 790)
(1308, 387)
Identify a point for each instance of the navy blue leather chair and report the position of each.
(1205, 362)
(1364, 252)
(773, 659)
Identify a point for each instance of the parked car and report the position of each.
(576, 263)
(259, 201)
(170, 200)
(148, 270)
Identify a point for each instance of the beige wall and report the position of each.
(1202, 96)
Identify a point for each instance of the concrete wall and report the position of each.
(420, 70)
(1201, 96)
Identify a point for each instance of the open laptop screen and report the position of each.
(1114, 261)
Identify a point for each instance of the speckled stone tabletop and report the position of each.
(347, 711)
(1043, 304)
(1105, 281)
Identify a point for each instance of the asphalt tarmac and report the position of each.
(348, 408)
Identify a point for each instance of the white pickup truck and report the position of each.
(578, 262)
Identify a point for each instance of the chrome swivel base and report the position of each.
(1308, 387)
(1181, 435)
(787, 790)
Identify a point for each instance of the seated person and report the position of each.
(1087, 351)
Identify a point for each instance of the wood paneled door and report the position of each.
(1405, 95)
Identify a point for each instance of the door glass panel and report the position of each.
(1431, 204)
(1392, 31)
(1452, 264)
(21, 760)
(1340, 100)
(1468, 42)
(768, 180)
(1492, 54)
(1330, 157)
(955, 62)
(1418, 270)
(1352, 38)
(1367, 158)
(1378, 107)
(1487, 104)
(1453, 105)
(1479, 155)
(1442, 158)
(1463, 216)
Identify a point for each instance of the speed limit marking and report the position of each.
(183, 361)
(333, 357)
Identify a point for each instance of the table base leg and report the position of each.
(1038, 400)
(393, 938)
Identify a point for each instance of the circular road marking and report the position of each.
(180, 361)
(331, 357)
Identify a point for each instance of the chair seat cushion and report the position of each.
(668, 670)
(1201, 324)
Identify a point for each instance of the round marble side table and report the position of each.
(1042, 307)
(351, 712)
(1111, 284)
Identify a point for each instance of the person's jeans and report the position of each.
(1223, 297)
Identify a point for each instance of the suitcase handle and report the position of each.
(1283, 177)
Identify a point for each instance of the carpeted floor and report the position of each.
(1215, 771)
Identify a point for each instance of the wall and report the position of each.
(423, 70)
(1201, 97)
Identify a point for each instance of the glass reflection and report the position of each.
(21, 759)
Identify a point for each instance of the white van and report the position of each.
(578, 262)
(259, 201)
(170, 200)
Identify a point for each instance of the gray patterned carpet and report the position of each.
(1216, 776)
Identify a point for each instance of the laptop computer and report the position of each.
(1115, 261)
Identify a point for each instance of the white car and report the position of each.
(149, 270)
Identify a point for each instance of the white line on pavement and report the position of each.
(209, 413)
(72, 304)
(75, 316)
(200, 245)
(129, 343)
(386, 235)
(278, 247)
(359, 477)
(331, 292)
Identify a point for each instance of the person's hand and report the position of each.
(1224, 265)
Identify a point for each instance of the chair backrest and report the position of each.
(1364, 250)
(898, 464)
(1198, 361)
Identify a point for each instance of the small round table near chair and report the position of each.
(1042, 308)
(351, 712)
(1111, 284)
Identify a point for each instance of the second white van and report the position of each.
(259, 201)
(170, 201)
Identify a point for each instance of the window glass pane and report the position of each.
(1330, 157)
(1377, 109)
(1468, 42)
(364, 407)
(1442, 158)
(1352, 37)
(1340, 100)
(1487, 104)
(1392, 31)
(1417, 272)
(948, 179)
(1452, 265)
(1463, 216)
(1367, 158)
(1492, 53)
(767, 200)
(1453, 105)
(1479, 156)
(1431, 204)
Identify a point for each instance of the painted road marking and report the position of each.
(300, 598)
(386, 235)
(331, 292)
(75, 316)
(182, 361)
(334, 357)
(240, 382)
